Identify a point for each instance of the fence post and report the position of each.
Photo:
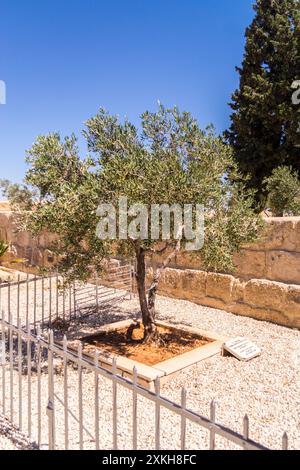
(183, 418)
(80, 397)
(50, 407)
(285, 442)
(66, 406)
(246, 429)
(115, 409)
(212, 437)
(157, 413)
(39, 388)
(20, 362)
(3, 362)
(29, 403)
(97, 436)
(97, 292)
(74, 298)
(134, 410)
(11, 371)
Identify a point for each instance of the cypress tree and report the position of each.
(265, 123)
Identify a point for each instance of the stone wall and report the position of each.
(33, 252)
(258, 298)
(276, 257)
(266, 284)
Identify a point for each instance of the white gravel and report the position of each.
(266, 388)
(11, 438)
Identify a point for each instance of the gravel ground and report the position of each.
(266, 388)
(11, 438)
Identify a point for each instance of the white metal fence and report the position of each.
(59, 398)
(42, 299)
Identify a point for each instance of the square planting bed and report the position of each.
(182, 347)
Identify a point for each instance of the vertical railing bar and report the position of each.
(97, 292)
(74, 299)
(66, 410)
(43, 301)
(34, 303)
(134, 411)
(246, 429)
(64, 301)
(115, 404)
(183, 419)
(27, 299)
(50, 300)
(285, 442)
(131, 280)
(97, 437)
(212, 436)
(18, 298)
(57, 295)
(39, 395)
(29, 378)
(8, 301)
(11, 369)
(20, 363)
(80, 396)
(3, 361)
(157, 414)
(9, 337)
(51, 407)
(70, 303)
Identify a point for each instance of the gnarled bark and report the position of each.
(148, 304)
(147, 315)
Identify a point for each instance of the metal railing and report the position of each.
(36, 395)
(44, 299)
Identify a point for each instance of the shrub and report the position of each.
(283, 188)
(3, 248)
(19, 195)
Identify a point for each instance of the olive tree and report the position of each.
(170, 161)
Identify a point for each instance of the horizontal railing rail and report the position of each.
(43, 352)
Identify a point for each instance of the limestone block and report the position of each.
(172, 280)
(265, 294)
(194, 281)
(219, 286)
(292, 307)
(23, 239)
(264, 314)
(188, 260)
(283, 266)
(238, 291)
(250, 264)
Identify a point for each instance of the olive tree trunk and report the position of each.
(148, 315)
(147, 303)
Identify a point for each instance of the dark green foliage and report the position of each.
(264, 131)
(283, 188)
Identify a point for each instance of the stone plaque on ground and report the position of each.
(242, 349)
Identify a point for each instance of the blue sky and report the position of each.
(62, 60)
